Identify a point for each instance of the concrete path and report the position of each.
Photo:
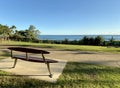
(39, 70)
(108, 59)
(33, 70)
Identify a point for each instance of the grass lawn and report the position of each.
(63, 46)
(75, 75)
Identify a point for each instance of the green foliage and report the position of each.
(113, 43)
(112, 39)
(66, 41)
(92, 41)
(18, 35)
(32, 32)
(99, 40)
(27, 35)
(6, 31)
(85, 41)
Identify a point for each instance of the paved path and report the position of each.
(85, 57)
(39, 70)
(108, 59)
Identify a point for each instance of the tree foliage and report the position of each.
(29, 34)
(98, 40)
(6, 31)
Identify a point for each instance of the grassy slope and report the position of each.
(75, 75)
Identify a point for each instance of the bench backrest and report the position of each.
(29, 50)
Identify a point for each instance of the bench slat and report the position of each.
(34, 59)
(28, 50)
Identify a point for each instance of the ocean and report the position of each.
(75, 37)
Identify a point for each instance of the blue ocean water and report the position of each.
(75, 37)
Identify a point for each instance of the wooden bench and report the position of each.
(27, 57)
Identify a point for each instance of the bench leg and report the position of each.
(15, 63)
(48, 66)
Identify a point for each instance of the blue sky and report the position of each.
(63, 16)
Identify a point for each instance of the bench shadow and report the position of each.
(83, 52)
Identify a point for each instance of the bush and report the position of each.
(99, 40)
(92, 41)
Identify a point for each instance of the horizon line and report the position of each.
(79, 34)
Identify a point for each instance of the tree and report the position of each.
(91, 41)
(30, 34)
(85, 40)
(33, 31)
(5, 31)
(66, 41)
(99, 40)
(12, 28)
(18, 35)
(111, 41)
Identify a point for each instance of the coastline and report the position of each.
(75, 37)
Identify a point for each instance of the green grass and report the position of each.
(63, 46)
(75, 75)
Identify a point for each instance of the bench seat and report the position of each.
(34, 59)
